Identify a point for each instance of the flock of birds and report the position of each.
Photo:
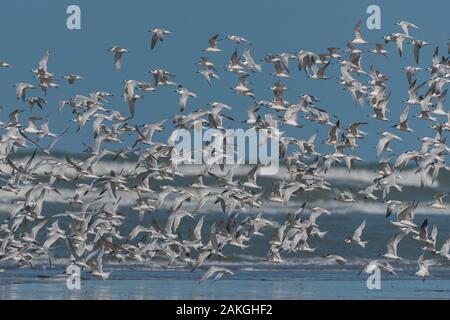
(91, 230)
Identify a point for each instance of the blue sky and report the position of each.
(28, 28)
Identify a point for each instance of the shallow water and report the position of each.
(306, 284)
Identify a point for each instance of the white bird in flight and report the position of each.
(218, 271)
(118, 53)
(158, 35)
(356, 238)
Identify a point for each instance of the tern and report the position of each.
(213, 44)
(158, 35)
(438, 203)
(118, 53)
(424, 266)
(234, 65)
(392, 247)
(439, 107)
(444, 252)
(405, 216)
(320, 73)
(345, 197)
(356, 238)
(358, 37)
(97, 267)
(220, 272)
(71, 78)
(417, 45)
(385, 139)
(335, 258)
(399, 38)
(405, 25)
(204, 62)
(184, 95)
(40, 102)
(423, 234)
(374, 264)
(208, 75)
(403, 125)
(237, 39)
(21, 89)
(162, 77)
(392, 204)
(251, 178)
(379, 50)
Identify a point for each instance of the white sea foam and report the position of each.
(407, 177)
(250, 262)
(9, 200)
(336, 174)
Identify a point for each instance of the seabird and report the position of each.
(358, 37)
(356, 238)
(213, 44)
(392, 247)
(158, 35)
(118, 53)
(219, 271)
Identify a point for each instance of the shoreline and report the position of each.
(252, 285)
